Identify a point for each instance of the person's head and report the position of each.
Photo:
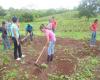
(53, 17)
(96, 21)
(14, 19)
(42, 27)
(3, 23)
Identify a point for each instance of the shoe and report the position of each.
(23, 56)
(18, 59)
(48, 58)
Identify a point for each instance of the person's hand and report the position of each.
(18, 43)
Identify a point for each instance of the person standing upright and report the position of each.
(16, 39)
(93, 28)
(54, 24)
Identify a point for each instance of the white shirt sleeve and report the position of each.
(49, 26)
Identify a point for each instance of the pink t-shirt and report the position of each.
(50, 34)
(94, 27)
(54, 24)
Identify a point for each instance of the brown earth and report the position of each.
(67, 51)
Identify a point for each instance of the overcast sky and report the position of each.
(39, 4)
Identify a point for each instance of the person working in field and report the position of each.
(93, 28)
(29, 29)
(54, 24)
(16, 39)
(5, 39)
(51, 39)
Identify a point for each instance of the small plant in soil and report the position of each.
(10, 75)
(58, 77)
(44, 66)
(5, 59)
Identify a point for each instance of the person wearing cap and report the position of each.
(15, 37)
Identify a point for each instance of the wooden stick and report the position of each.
(25, 38)
(40, 55)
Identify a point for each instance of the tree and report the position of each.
(2, 12)
(88, 8)
(98, 3)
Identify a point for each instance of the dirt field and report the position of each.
(67, 51)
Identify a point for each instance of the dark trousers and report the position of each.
(31, 35)
(6, 42)
(17, 48)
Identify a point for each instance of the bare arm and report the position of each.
(47, 40)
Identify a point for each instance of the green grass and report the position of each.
(73, 35)
(68, 25)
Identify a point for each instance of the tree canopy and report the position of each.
(89, 8)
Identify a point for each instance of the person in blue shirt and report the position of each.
(16, 39)
(29, 30)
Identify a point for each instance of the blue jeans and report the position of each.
(93, 38)
(51, 48)
(8, 31)
(6, 42)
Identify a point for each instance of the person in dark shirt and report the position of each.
(5, 39)
(29, 29)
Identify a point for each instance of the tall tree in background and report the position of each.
(88, 8)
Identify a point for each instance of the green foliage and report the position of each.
(88, 8)
(84, 69)
(5, 59)
(26, 17)
(44, 66)
(57, 77)
(23, 15)
(10, 75)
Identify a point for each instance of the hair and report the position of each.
(95, 20)
(42, 26)
(14, 19)
(3, 22)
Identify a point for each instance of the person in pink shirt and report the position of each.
(51, 39)
(54, 24)
(93, 28)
